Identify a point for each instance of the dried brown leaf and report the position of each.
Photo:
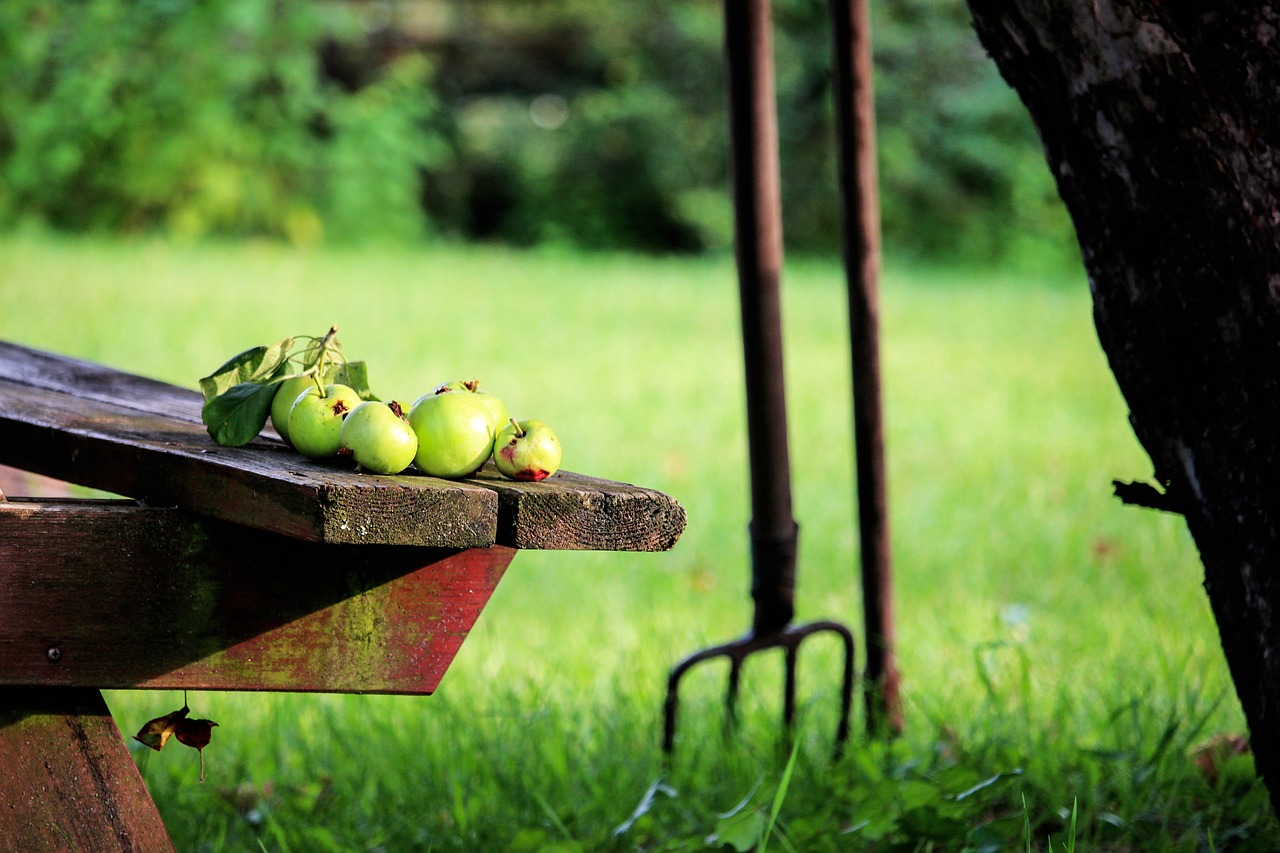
(156, 733)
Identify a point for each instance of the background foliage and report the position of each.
(526, 122)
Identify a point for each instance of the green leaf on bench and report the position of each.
(235, 417)
(353, 374)
(257, 364)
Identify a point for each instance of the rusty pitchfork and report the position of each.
(758, 245)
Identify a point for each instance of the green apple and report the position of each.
(526, 450)
(315, 420)
(494, 403)
(379, 438)
(455, 433)
(283, 401)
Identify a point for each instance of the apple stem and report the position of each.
(519, 432)
(322, 361)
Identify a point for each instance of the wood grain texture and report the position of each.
(129, 596)
(568, 511)
(67, 781)
(92, 381)
(168, 461)
(88, 424)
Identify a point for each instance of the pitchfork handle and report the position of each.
(758, 243)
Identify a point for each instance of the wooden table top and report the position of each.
(105, 429)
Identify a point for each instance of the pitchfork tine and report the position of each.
(789, 690)
(787, 638)
(731, 694)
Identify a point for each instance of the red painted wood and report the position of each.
(67, 781)
(115, 595)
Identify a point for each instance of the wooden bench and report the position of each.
(228, 569)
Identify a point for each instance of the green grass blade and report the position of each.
(779, 796)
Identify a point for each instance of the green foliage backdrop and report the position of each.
(522, 121)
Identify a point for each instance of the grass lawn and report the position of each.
(1059, 659)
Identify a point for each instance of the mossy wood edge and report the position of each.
(109, 594)
(568, 511)
(95, 426)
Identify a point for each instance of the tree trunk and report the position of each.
(1159, 122)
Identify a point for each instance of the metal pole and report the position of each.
(758, 243)
(753, 143)
(855, 138)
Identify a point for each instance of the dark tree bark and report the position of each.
(1161, 123)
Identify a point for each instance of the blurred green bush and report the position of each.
(523, 121)
(204, 118)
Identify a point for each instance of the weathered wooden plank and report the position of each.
(67, 781)
(114, 595)
(164, 460)
(93, 381)
(569, 511)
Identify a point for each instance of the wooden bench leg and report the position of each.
(67, 781)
